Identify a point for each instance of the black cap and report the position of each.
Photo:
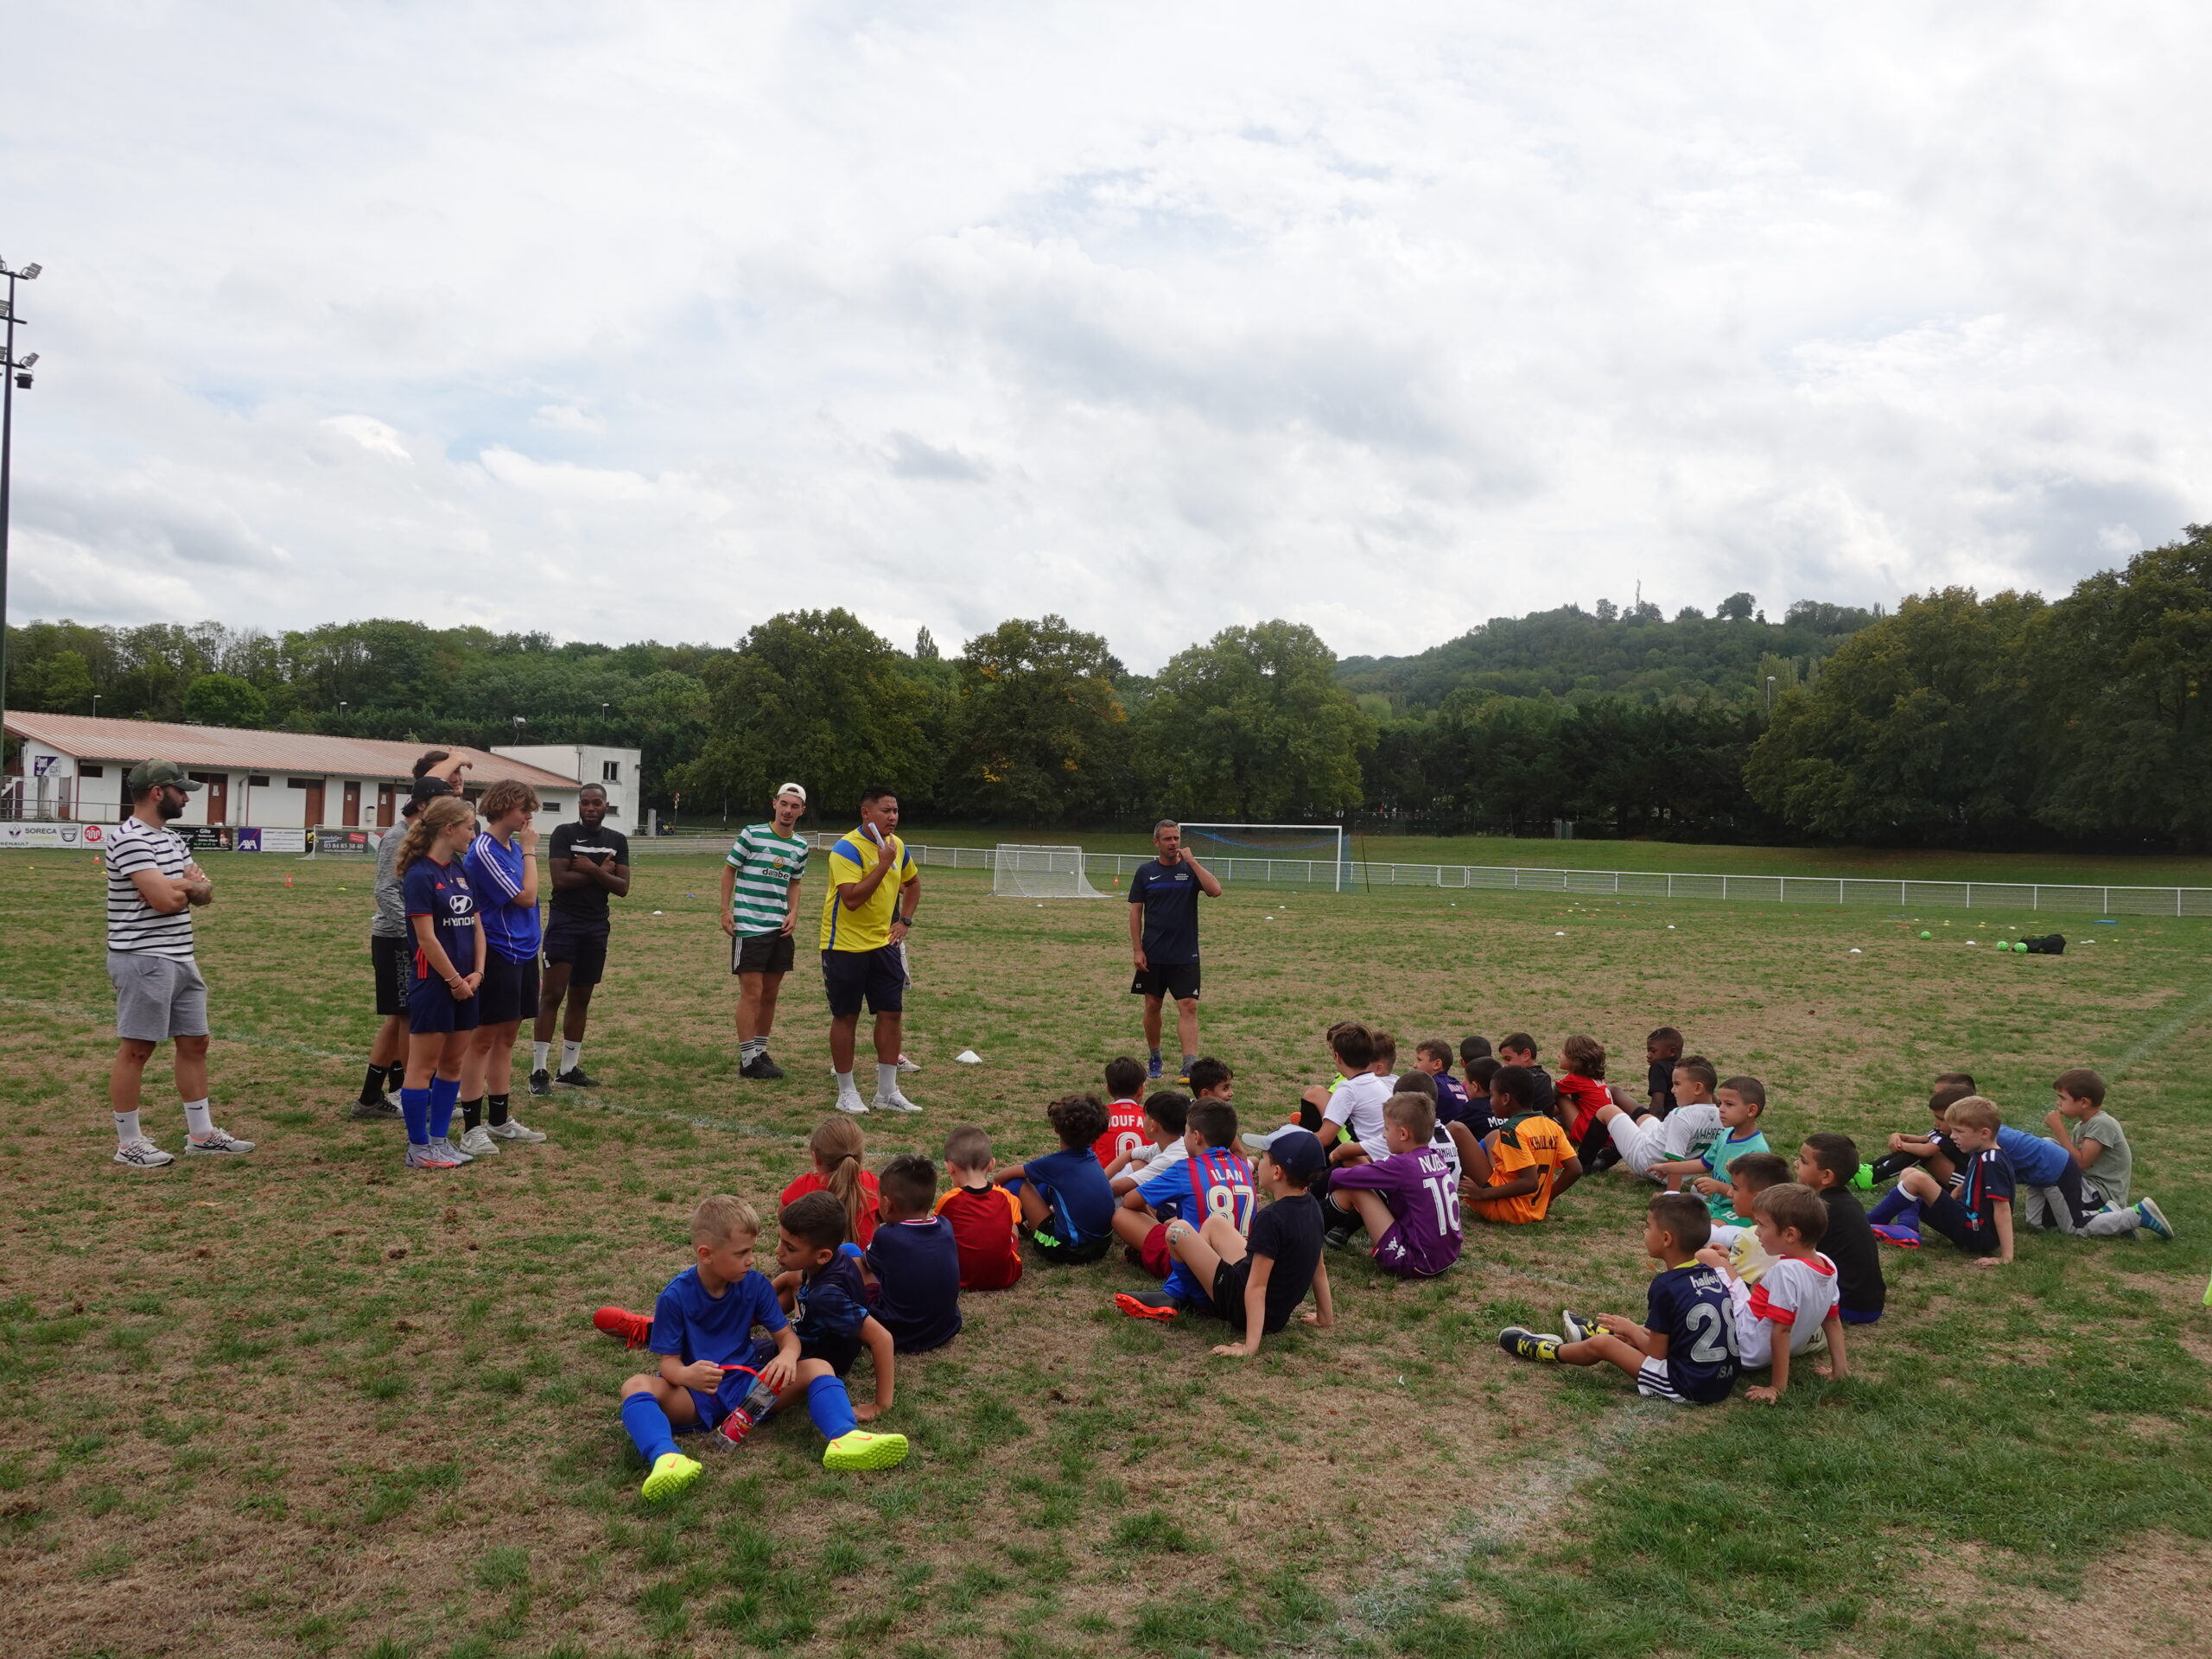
(426, 790)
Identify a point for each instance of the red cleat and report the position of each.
(634, 1329)
(1150, 1304)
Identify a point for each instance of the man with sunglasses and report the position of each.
(153, 886)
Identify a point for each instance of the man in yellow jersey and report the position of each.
(865, 916)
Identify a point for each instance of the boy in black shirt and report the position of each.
(1519, 1049)
(1260, 1281)
(912, 1266)
(1827, 1163)
(1661, 1050)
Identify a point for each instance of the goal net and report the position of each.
(1275, 854)
(1021, 872)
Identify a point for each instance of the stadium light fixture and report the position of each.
(96, 705)
(14, 377)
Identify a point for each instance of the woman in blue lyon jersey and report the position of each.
(442, 1009)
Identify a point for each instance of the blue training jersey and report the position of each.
(497, 874)
(692, 1325)
(1689, 1307)
(1082, 1198)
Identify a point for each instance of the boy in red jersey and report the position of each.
(985, 1216)
(1124, 1116)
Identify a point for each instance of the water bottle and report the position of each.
(747, 1414)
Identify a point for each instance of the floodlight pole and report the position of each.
(8, 369)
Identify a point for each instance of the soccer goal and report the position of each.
(1021, 872)
(1277, 854)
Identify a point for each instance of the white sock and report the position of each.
(126, 1129)
(197, 1120)
(538, 1054)
(571, 1054)
(749, 1046)
(887, 1078)
(846, 1086)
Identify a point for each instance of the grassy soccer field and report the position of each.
(313, 1403)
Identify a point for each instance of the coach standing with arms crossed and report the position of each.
(864, 918)
(1164, 939)
(586, 860)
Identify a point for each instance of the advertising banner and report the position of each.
(252, 840)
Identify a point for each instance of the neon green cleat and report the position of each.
(862, 1450)
(673, 1472)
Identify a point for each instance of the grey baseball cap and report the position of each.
(152, 774)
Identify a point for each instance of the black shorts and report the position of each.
(582, 946)
(879, 975)
(432, 1009)
(393, 962)
(1175, 982)
(1049, 1249)
(1948, 1217)
(1230, 1278)
(840, 1351)
(509, 990)
(762, 953)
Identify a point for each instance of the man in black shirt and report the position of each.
(1164, 938)
(588, 862)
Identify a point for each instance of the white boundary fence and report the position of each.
(2031, 898)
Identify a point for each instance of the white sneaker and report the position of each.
(514, 1129)
(853, 1105)
(142, 1153)
(217, 1140)
(905, 1065)
(894, 1102)
(476, 1143)
(447, 1149)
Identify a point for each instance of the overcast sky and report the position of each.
(651, 321)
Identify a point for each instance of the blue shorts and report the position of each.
(1858, 1315)
(878, 975)
(713, 1408)
(431, 1009)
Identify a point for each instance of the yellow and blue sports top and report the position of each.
(868, 927)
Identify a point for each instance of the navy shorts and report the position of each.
(1947, 1216)
(877, 975)
(839, 1351)
(509, 990)
(431, 1008)
(582, 946)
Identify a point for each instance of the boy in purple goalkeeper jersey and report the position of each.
(1409, 1201)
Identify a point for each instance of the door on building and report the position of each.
(218, 794)
(386, 806)
(315, 803)
(353, 809)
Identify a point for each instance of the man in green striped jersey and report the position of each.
(760, 882)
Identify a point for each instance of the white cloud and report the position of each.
(658, 320)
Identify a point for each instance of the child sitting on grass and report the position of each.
(913, 1265)
(1519, 1049)
(1480, 1117)
(1433, 1056)
(1736, 1234)
(1975, 1213)
(985, 1217)
(1580, 1091)
(1797, 1292)
(710, 1362)
(1124, 1117)
(1167, 1117)
(2099, 1147)
(1514, 1174)
(1351, 1109)
(836, 1148)
(1409, 1201)
(1067, 1204)
(1685, 1351)
(1933, 1149)
(1645, 1140)
(1210, 1178)
(818, 1281)
(1826, 1164)
(1261, 1283)
(1663, 1051)
(1742, 1102)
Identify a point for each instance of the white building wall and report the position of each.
(589, 764)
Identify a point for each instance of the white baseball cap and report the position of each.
(798, 789)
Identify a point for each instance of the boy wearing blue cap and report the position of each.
(1259, 1282)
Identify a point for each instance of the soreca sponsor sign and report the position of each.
(53, 835)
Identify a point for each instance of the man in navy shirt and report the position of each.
(1164, 938)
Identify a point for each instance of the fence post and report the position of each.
(1724, 898)
(2177, 911)
(1839, 905)
(2035, 902)
(1969, 906)
(2108, 912)
(1616, 888)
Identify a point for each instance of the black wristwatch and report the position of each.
(907, 921)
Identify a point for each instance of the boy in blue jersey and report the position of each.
(1742, 1102)
(913, 1264)
(501, 864)
(1212, 1178)
(1975, 1212)
(1685, 1351)
(715, 1375)
(1067, 1203)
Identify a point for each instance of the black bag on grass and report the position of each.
(2051, 944)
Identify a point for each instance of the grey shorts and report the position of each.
(157, 997)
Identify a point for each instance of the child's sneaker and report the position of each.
(1574, 1328)
(673, 1472)
(221, 1142)
(1339, 1236)
(436, 1155)
(476, 1143)
(1523, 1344)
(2152, 1218)
(142, 1153)
(514, 1129)
(861, 1449)
(635, 1329)
(1862, 1178)
(1148, 1304)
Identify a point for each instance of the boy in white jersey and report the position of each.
(1682, 1133)
(153, 886)
(761, 883)
(1796, 1299)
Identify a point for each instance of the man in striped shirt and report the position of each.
(153, 884)
(760, 882)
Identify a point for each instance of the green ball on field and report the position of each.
(1925, 934)
(2022, 947)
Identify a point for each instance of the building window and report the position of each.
(92, 771)
(611, 771)
(301, 782)
(259, 782)
(552, 805)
